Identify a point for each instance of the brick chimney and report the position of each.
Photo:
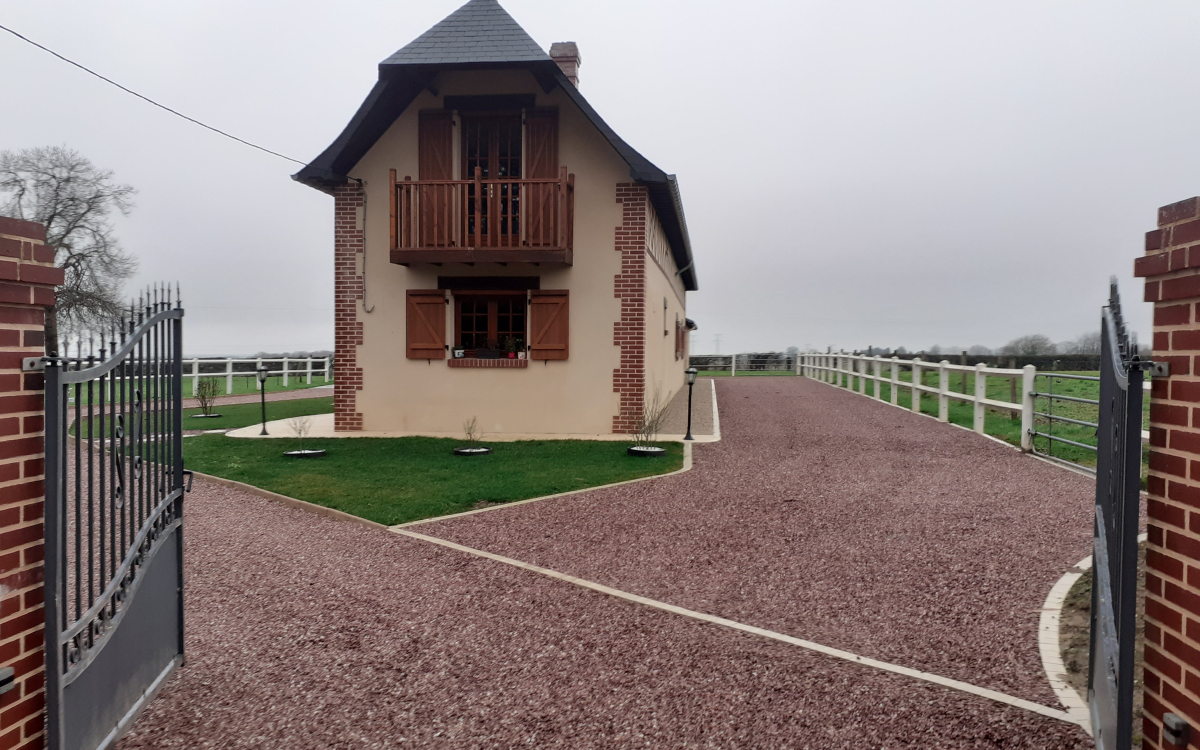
(566, 54)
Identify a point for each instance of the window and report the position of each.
(489, 320)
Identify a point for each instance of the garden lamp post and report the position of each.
(262, 388)
(691, 381)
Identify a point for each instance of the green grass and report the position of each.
(235, 415)
(241, 386)
(1008, 428)
(744, 373)
(394, 480)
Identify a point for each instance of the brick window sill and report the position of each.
(494, 363)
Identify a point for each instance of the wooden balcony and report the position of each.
(483, 221)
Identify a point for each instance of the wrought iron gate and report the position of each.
(1114, 545)
(114, 535)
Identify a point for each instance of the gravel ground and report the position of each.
(675, 419)
(827, 516)
(308, 632)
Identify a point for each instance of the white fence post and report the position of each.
(257, 366)
(841, 371)
(878, 363)
(308, 372)
(1028, 378)
(732, 365)
(895, 381)
(228, 377)
(327, 369)
(285, 372)
(943, 389)
(195, 376)
(860, 364)
(916, 385)
(980, 395)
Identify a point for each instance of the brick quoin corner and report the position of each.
(1171, 267)
(348, 293)
(629, 332)
(27, 281)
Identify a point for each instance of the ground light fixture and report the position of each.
(262, 388)
(691, 381)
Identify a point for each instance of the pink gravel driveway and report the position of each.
(821, 515)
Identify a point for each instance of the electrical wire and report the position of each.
(148, 99)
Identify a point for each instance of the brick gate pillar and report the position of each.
(1171, 267)
(27, 279)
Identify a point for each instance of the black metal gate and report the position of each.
(114, 535)
(1115, 546)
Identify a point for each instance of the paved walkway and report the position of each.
(821, 515)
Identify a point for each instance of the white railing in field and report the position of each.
(287, 367)
(840, 369)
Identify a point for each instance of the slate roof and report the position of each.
(478, 32)
(481, 34)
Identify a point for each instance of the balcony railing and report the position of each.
(482, 220)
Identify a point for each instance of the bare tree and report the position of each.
(471, 430)
(62, 190)
(206, 393)
(1034, 345)
(301, 426)
(649, 421)
(979, 351)
(1085, 343)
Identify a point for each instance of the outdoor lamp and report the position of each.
(262, 388)
(691, 381)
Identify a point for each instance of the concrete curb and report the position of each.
(1050, 645)
(1050, 641)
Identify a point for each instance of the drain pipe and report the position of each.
(362, 185)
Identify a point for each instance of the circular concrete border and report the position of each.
(1050, 645)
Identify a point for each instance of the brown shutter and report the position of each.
(426, 324)
(435, 158)
(541, 139)
(435, 145)
(549, 324)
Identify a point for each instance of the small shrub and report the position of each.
(206, 393)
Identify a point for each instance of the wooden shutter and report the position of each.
(549, 324)
(426, 324)
(541, 160)
(435, 159)
(435, 144)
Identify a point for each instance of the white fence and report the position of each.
(840, 369)
(287, 367)
(745, 363)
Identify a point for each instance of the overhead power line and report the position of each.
(148, 99)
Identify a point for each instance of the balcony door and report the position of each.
(492, 214)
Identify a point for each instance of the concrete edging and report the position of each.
(1050, 641)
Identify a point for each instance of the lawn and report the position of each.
(242, 384)
(394, 480)
(234, 415)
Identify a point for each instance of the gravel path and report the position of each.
(307, 632)
(827, 516)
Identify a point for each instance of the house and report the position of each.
(500, 252)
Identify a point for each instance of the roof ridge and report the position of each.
(480, 31)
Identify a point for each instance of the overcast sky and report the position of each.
(854, 173)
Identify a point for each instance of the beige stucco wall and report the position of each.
(574, 396)
(664, 373)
